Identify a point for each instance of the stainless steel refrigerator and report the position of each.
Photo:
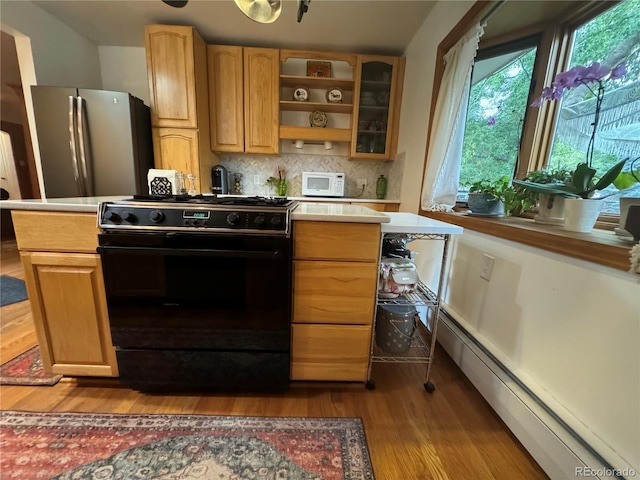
(92, 142)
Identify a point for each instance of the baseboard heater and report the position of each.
(559, 450)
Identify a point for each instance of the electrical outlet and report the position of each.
(256, 179)
(362, 183)
(487, 266)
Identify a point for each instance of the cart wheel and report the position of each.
(429, 387)
(370, 384)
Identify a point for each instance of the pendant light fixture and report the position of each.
(261, 11)
(176, 3)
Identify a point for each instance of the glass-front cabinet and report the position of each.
(377, 100)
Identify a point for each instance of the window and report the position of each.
(500, 85)
(609, 38)
(498, 112)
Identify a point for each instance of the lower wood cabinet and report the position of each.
(330, 352)
(335, 271)
(333, 292)
(63, 275)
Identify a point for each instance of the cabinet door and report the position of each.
(377, 99)
(226, 100)
(177, 149)
(261, 100)
(70, 313)
(171, 74)
(330, 352)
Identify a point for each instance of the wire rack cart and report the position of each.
(410, 227)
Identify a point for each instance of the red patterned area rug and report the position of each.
(74, 446)
(26, 369)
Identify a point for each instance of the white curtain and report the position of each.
(440, 184)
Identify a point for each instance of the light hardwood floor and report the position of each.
(412, 435)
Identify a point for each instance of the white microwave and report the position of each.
(322, 184)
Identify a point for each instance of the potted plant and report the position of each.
(581, 209)
(550, 206)
(498, 197)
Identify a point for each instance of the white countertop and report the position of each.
(324, 212)
(392, 222)
(342, 200)
(73, 204)
(403, 222)
(337, 212)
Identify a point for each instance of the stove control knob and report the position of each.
(276, 221)
(233, 219)
(112, 217)
(129, 217)
(156, 216)
(259, 220)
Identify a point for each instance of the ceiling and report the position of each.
(359, 26)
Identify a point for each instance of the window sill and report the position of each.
(600, 246)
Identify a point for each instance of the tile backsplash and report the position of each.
(262, 167)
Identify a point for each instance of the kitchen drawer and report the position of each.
(334, 292)
(336, 241)
(330, 352)
(56, 232)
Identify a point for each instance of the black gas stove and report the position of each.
(198, 291)
(199, 213)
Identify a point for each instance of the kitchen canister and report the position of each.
(396, 327)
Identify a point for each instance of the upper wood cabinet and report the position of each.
(176, 149)
(179, 100)
(171, 70)
(377, 98)
(243, 99)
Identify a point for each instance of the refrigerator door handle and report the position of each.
(73, 143)
(84, 151)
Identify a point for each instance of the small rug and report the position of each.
(181, 447)
(12, 290)
(26, 369)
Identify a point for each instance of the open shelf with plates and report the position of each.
(295, 113)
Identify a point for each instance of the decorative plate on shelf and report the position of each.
(318, 118)
(334, 95)
(301, 93)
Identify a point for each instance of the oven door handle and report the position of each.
(191, 252)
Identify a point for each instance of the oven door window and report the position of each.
(199, 293)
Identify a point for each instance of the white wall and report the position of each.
(124, 69)
(416, 96)
(61, 55)
(568, 329)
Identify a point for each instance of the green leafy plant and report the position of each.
(583, 182)
(515, 200)
(628, 179)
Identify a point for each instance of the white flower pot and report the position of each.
(580, 214)
(550, 209)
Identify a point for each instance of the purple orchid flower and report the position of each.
(619, 71)
(596, 72)
(568, 79)
(491, 120)
(581, 75)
